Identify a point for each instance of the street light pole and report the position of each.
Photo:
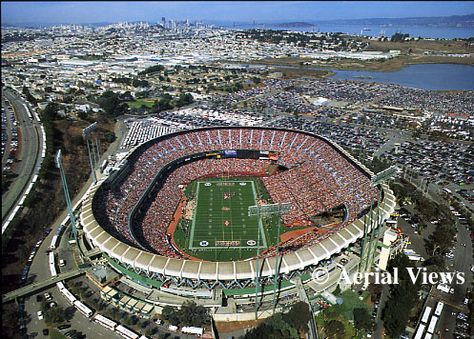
(93, 154)
(67, 197)
(261, 211)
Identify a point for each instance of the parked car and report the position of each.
(40, 315)
(48, 296)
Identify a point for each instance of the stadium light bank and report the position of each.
(378, 277)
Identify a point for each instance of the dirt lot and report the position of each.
(421, 46)
(412, 52)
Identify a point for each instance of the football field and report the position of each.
(221, 221)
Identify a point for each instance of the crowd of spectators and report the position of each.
(321, 177)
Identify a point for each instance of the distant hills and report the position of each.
(294, 24)
(439, 21)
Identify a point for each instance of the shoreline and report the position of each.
(390, 65)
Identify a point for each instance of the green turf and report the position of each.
(140, 102)
(211, 212)
(221, 222)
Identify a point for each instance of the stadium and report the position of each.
(175, 217)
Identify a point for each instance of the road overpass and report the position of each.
(37, 286)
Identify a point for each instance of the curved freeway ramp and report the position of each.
(30, 155)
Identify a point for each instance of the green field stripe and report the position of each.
(194, 216)
(215, 222)
(260, 225)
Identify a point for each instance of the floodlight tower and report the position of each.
(370, 239)
(59, 164)
(93, 149)
(265, 211)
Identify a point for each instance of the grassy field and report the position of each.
(221, 229)
(344, 313)
(141, 102)
(221, 224)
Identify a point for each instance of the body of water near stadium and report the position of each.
(424, 76)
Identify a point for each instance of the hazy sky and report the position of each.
(90, 12)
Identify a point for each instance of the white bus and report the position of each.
(432, 326)
(68, 295)
(419, 332)
(52, 270)
(125, 332)
(54, 242)
(428, 336)
(106, 322)
(439, 308)
(83, 308)
(443, 287)
(192, 330)
(426, 315)
(392, 223)
(104, 165)
(52, 260)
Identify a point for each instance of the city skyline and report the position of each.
(17, 13)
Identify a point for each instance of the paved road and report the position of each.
(79, 322)
(462, 263)
(8, 113)
(31, 140)
(379, 328)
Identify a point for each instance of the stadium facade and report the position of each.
(135, 258)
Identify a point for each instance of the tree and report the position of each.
(169, 313)
(299, 316)
(362, 318)
(335, 329)
(51, 111)
(29, 97)
(54, 315)
(110, 137)
(399, 37)
(111, 104)
(82, 115)
(150, 331)
(184, 99)
(152, 69)
(402, 298)
(274, 327)
(193, 315)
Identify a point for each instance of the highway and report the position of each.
(30, 154)
(8, 124)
